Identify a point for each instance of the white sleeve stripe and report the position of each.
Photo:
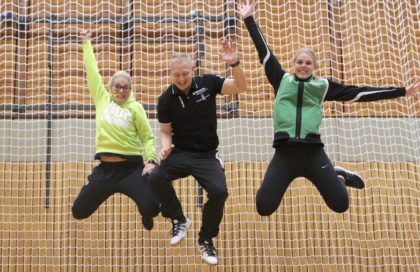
(266, 46)
(222, 164)
(359, 95)
(326, 89)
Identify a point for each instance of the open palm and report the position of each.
(413, 88)
(230, 56)
(246, 10)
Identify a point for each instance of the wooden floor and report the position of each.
(380, 231)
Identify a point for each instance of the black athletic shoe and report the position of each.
(147, 222)
(350, 179)
(208, 252)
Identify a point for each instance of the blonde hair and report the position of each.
(122, 74)
(308, 52)
(180, 58)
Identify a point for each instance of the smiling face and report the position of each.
(181, 71)
(120, 86)
(304, 64)
(121, 89)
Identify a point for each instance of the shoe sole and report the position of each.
(148, 224)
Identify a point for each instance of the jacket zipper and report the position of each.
(299, 109)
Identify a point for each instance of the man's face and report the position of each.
(181, 74)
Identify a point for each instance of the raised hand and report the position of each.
(246, 10)
(230, 56)
(413, 88)
(85, 35)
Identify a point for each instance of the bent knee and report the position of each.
(78, 213)
(265, 204)
(157, 176)
(220, 195)
(265, 210)
(341, 207)
(151, 209)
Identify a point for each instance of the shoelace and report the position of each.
(208, 249)
(177, 227)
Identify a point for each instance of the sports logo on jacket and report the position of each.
(201, 92)
(117, 116)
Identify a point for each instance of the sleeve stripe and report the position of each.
(359, 95)
(326, 89)
(267, 56)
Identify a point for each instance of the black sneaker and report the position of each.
(208, 252)
(350, 179)
(147, 222)
(179, 230)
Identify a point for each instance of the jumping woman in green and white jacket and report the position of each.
(124, 140)
(297, 116)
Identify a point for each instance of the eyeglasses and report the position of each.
(118, 87)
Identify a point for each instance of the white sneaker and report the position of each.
(208, 252)
(179, 230)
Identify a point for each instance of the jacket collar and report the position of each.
(300, 79)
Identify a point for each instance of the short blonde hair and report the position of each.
(180, 58)
(122, 74)
(308, 52)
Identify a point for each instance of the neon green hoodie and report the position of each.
(120, 128)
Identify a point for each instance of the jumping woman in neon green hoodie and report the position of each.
(124, 139)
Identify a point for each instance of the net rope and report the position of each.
(47, 138)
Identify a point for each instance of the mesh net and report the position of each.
(47, 138)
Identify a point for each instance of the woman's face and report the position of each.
(304, 66)
(120, 89)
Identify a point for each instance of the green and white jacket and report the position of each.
(297, 111)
